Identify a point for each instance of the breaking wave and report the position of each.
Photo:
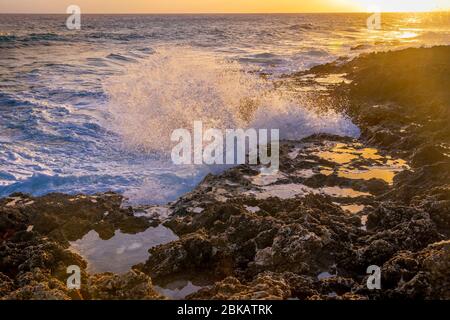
(177, 86)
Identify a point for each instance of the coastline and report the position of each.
(290, 237)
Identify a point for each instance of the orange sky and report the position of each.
(218, 6)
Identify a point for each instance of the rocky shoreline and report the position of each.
(336, 207)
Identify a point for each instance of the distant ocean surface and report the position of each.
(92, 110)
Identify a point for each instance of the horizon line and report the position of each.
(224, 13)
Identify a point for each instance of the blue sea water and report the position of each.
(92, 110)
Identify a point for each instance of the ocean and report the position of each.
(91, 110)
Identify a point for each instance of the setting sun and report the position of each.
(402, 5)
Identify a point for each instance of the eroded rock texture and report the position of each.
(310, 231)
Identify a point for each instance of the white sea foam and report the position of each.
(177, 86)
(52, 100)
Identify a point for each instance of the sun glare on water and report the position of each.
(404, 5)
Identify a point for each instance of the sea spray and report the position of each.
(179, 85)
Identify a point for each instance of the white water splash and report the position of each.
(177, 86)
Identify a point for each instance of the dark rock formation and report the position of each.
(34, 253)
(336, 207)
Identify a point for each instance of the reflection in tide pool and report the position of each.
(353, 208)
(292, 190)
(386, 174)
(179, 289)
(344, 192)
(362, 163)
(122, 251)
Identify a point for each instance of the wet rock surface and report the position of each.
(291, 235)
(310, 231)
(34, 247)
(337, 206)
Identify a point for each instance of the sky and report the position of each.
(219, 6)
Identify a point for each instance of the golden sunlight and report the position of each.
(222, 6)
(402, 5)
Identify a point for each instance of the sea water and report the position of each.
(92, 110)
